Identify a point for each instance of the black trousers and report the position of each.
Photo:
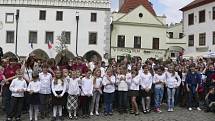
(85, 104)
(45, 103)
(16, 107)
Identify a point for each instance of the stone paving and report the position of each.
(180, 114)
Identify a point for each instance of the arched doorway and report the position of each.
(63, 57)
(10, 55)
(92, 55)
(40, 54)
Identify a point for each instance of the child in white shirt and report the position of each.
(109, 89)
(159, 81)
(17, 87)
(146, 86)
(34, 99)
(58, 90)
(86, 87)
(73, 93)
(134, 84)
(97, 91)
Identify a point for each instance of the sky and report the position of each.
(169, 8)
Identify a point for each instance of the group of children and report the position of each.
(70, 90)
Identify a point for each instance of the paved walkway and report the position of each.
(180, 114)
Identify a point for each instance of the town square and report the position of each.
(107, 60)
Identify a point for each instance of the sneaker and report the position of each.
(91, 113)
(97, 113)
(110, 113)
(137, 113)
(148, 110)
(18, 119)
(169, 110)
(158, 110)
(198, 108)
(172, 110)
(190, 109)
(8, 119)
(145, 111)
(105, 113)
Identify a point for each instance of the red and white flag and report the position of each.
(50, 44)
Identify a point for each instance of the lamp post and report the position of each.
(77, 28)
(17, 25)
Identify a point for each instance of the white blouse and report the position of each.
(86, 87)
(158, 78)
(146, 81)
(122, 83)
(73, 86)
(109, 85)
(60, 86)
(134, 83)
(45, 83)
(34, 86)
(173, 81)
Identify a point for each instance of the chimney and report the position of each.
(121, 2)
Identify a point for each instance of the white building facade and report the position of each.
(199, 29)
(43, 21)
(138, 31)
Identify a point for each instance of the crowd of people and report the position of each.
(80, 89)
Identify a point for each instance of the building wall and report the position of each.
(176, 29)
(206, 27)
(29, 21)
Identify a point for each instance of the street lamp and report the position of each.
(17, 25)
(77, 21)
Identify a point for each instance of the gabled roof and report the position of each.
(132, 4)
(196, 3)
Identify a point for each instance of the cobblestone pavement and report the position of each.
(180, 114)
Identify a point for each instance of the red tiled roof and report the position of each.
(196, 3)
(132, 4)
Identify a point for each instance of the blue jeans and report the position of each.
(193, 99)
(158, 96)
(171, 96)
(108, 100)
(123, 98)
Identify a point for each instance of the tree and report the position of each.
(61, 45)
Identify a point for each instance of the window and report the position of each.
(191, 40)
(213, 38)
(155, 44)
(10, 37)
(201, 16)
(42, 15)
(181, 35)
(67, 37)
(121, 41)
(59, 16)
(213, 13)
(93, 17)
(191, 19)
(49, 37)
(93, 38)
(173, 55)
(9, 18)
(32, 37)
(202, 39)
(137, 42)
(170, 34)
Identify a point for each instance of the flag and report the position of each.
(32, 46)
(50, 44)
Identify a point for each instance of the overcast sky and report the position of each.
(170, 8)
